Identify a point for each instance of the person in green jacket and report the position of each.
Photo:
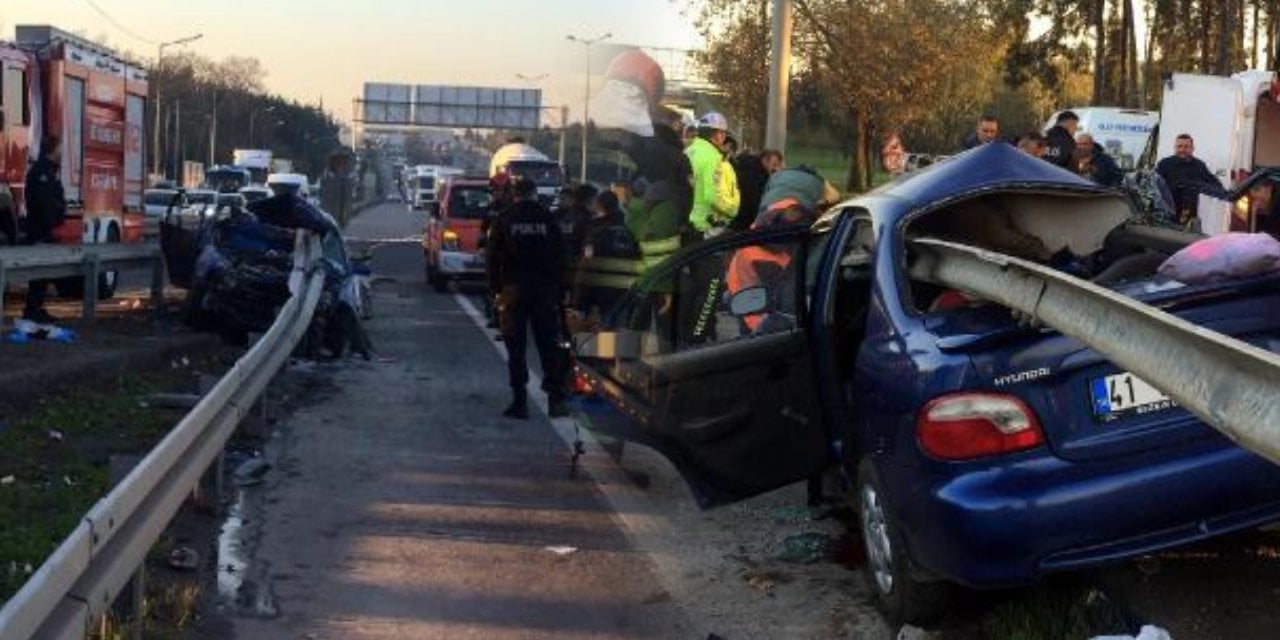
(715, 185)
(658, 218)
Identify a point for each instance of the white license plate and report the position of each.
(1124, 394)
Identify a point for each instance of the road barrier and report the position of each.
(77, 585)
(49, 261)
(1227, 383)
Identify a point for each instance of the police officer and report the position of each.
(1060, 141)
(525, 252)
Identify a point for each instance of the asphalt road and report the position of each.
(401, 505)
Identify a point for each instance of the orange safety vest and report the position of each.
(743, 273)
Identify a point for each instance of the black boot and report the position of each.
(519, 407)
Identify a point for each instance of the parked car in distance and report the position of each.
(201, 200)
(981, 451)
(451, 237)
(156, 201)
(255, 193)
(228, 201)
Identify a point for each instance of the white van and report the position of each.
(1123, 133)
(1234, 121)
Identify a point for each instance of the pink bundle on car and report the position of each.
(1230, 256)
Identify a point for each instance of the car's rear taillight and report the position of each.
(964, 426)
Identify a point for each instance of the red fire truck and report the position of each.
(56, 83)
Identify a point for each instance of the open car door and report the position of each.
(708, 362)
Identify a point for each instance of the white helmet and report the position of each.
(713, 120)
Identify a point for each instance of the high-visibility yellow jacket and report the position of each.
(715, 187)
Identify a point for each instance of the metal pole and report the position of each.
(564, 129)
(155, 137)
(177, 139)
(586, 98)
(155, 133)
(213, 129)
(586, 117)
(779, 76)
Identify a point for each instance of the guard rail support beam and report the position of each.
(1231, 385)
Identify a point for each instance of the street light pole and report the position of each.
(564, 131)
(586, 101)
(155, 142)
(253, 116)
(779, 76)
(213, 129)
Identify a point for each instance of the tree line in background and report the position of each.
(926, 69)
(193, 90)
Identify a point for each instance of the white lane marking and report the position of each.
(626, 499)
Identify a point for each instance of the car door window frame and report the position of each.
(670, 271)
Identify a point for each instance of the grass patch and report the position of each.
(55, 464)
(829, 163)
(1054, 613)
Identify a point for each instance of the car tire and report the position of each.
(904, 594)
(434, 279)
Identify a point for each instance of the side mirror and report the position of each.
(749, 301)
(433, 209)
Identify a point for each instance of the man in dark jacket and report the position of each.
(46, 208)
(1060, 141)
(610, 258)
(753, 172)
(525, 253)
(1094, 163)
(1187, 176)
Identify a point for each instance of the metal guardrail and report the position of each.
(1229, 384)
(80, 581)
(26, 263)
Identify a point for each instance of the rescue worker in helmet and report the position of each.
(525, 253)
(715, 185)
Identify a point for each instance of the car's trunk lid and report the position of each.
(1088, 407)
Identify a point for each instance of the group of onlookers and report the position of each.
(1184, 176)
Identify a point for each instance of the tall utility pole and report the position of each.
(213, 129)
(586, 98)
(564, 132)
(775, 136)
(253, 116)
(155, 141)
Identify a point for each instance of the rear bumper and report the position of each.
(461, 264)
(1010, 524)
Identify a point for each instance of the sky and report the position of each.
(327, 49)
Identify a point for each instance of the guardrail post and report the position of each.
(157, 286)
(207, 495)
(90, 284)
(131, 604)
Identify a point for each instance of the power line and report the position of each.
(123, 29)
